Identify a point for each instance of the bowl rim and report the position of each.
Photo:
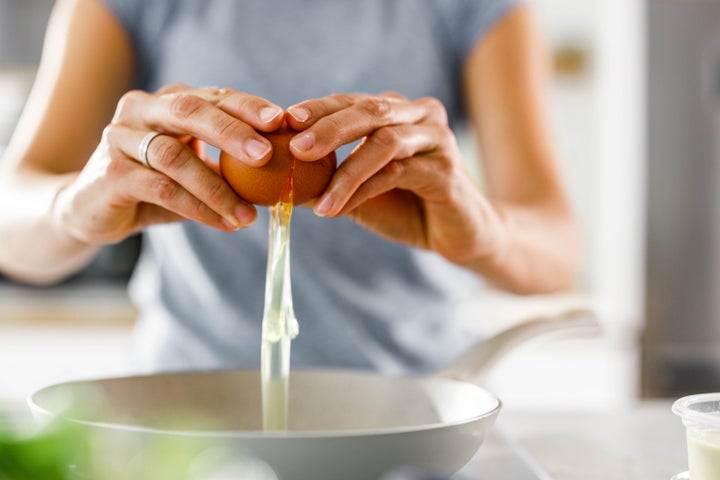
(489, 414)
(683, 408)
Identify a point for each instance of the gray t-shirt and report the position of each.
(361, 301)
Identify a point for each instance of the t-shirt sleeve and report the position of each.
(133, 16)
(127, 12)
(477, 17)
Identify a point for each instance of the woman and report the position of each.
(401, 232)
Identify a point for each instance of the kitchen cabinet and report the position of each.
(682, 339)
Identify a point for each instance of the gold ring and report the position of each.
(143, 148)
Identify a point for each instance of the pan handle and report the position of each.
(474, 365)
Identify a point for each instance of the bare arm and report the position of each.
(56, 135)
(72, 181)
(505, 79)
(408, 182)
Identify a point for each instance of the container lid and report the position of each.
(702, 410)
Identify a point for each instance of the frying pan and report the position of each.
(345, 425)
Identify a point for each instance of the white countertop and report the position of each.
(645, 442)
(66, 333)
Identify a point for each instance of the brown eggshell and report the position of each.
(266, 184)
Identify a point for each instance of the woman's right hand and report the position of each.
(115, 195)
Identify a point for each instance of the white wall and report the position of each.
(598, 125)
(598, 122)
(620, 170)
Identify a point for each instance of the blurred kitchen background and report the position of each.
(633, 108)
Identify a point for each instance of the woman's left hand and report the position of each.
(406, 180)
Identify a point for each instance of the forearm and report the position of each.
(34, 248)
(537, 248)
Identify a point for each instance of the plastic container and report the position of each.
(701, 416)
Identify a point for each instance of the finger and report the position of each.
(255, 111)
(396, 95)
(267, 119)
(387, 179)
(187, 113)
(378, 150)
(153, 187)
(336, 127)
(172, 88)
(303, 114)
(199, 149)
(424, 175)
(151, 214)
(175, 159)
(226, 120)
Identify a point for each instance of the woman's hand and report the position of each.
(406, 180)
(115, 195)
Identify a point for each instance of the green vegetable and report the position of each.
(71, 451)
(50, 455)
(67, 452)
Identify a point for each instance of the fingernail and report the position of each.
(300, 114)
(267, 114)
(230, 224)
(303, 142)
(323, 207)
(245, 214)
(256, 149)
